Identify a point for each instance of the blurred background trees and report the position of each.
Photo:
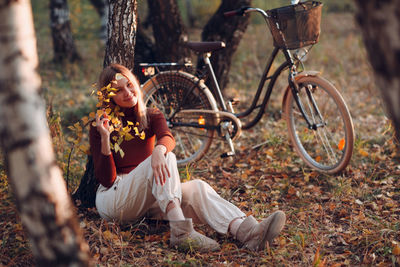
(63, 42)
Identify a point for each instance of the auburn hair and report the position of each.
(108, 75)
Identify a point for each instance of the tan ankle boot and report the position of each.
(254, 235)
(185, 238)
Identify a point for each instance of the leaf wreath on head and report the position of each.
(114, 114)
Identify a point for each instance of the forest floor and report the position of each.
(349, 219)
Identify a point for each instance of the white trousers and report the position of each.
(135, 195)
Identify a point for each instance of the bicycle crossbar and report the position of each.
(167, 64)
(219, 117)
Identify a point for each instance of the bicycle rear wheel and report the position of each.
(172, 92)
(329, 146)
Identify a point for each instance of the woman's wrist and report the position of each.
(105, 145)
(161, 148)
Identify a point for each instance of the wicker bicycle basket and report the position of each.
(299, 25)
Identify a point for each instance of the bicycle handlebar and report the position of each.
(244, 10)
(237, 12)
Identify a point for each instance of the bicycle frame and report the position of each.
(288, 64)
(260, 88)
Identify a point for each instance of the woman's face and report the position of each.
(127, 94)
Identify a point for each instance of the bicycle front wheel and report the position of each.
(328, 145)
(173, 92)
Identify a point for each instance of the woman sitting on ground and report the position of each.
(145, 181)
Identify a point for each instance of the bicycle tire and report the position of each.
(172, 90)
(328, 148)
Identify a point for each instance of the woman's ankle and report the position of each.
(234, 226)
(174, 211)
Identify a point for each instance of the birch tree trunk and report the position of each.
(63, 44)
(380, 25)
(229, 30)
(39, 189)
(121, 33)
(120, 49)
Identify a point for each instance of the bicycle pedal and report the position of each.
(228, 154)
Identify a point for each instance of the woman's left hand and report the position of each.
(159, 164)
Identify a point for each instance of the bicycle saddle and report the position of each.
(204, 47)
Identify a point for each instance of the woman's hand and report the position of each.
(102, 125)
(103, 128)
(159, 164)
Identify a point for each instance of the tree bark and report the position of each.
(380, 25)
(63, 43)
(169, 31)
(229, 30)
(39, 188)
(121, 33)
(101, 7)
(120, 49)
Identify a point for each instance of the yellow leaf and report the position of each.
(84, 148)
(396, 249)
(119, 76)
(94, 124)
(136, 130)
(128, 137)
(130, 123)
(142, 135)
(99, 112)
(92, 115)
(108, 110)
(363, 152)
(114, 120)
(85, 120)
(108, 235)
(111, 94)
(126, 129)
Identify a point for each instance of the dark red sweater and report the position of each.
(106, 167)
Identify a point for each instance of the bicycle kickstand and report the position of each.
(230, 143)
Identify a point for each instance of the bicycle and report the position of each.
(319, 123)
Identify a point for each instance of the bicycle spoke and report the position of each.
(325, 146)
(179, 91)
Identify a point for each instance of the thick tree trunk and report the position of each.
(121, 33)
(39, 188)
(229, 30)
(120, 49)
(380, 25)
(63, 44)
(169, 31)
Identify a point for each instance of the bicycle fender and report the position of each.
(297, 77)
